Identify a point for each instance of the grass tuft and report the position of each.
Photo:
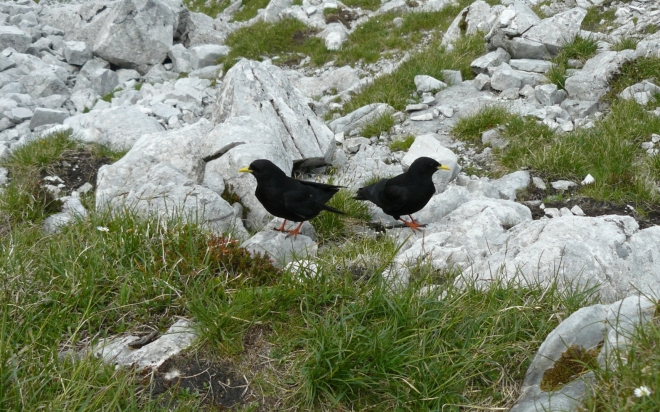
(581, 49)
(395, 89)
(597, 20)
(626, 43)
(333, 227)
(380, 125)
(402, 144)
(249, 9)
(611, 151)
(209, 7)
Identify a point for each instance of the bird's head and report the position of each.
(426, 165)
(262, 168)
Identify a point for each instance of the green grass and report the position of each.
(411, 351)
(610, 151)
(364, 4)
(580, 49)
(470, 128)
(291, 40)
(596, 15)
(625, 44)
(333, 227)
(382, 124)
(634, 72)
(211, 8)
(249, 9)
(341, 340)
(395, 89)
(268, 39)
(108, 97)
(402, 144)
(615, 387)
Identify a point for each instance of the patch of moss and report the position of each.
(231, 197)
(574, 362)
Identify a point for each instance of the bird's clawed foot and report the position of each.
(281, 228)
(412, 224)
(295, 232)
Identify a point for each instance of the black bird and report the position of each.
(406, 193)
(289, 198)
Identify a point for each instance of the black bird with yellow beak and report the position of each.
(406, 193)
(288, 198)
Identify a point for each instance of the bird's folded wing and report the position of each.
(394, 197)
(301, 203)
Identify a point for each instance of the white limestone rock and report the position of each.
(263, 93)
(426, 83)
(206, 55)
(428, 146)
(116, 127)
(162, 175)
(137, 34)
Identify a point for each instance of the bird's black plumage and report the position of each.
(406, 193)
(288, 198)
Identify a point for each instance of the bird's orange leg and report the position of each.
(281, 228)
(412, 224)
(295, 232)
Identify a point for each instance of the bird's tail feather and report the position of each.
(333, 210)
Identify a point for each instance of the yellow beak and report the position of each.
(441, 167)
(245, 170)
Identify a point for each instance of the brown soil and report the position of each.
(344, 17)
(591, 207)
(300, 36)
(216, 382)
(76, 167)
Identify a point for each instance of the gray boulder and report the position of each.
(44, 82)
(280, 248)
(491, 59)
(273, 12)
(84, 99)
(504, 77)
(162, 175)
(579, 109)
(198, 28)
(206, 55)
(180, 57)
(102, 81)
(556, 31)
(117, 127)
(77, 52)
(43, 116)
(642, 92)
(592, 81)
(240, 140)
(71, 209)
(465, 235)
(137, 34)
(607, 250)
(531, 65)
(585, 330)
(426, 83)
(78, 22)
(15, 38)
(359, 118)
(470, 20)
(263, 93)
(548, 94)
(116, 351)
